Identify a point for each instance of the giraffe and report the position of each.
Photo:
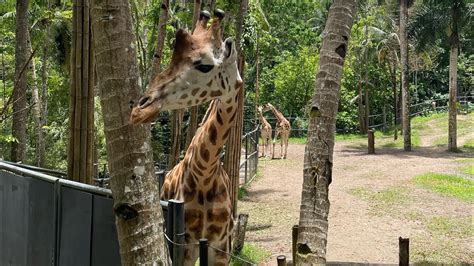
(202, 68)
(266, 130)
(282, 129)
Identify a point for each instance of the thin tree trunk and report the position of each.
(234, 144)
(44, 95)
(36, 102)
(193, 117)
(318, 158)
(453, 76)
(81, 116)
(395, 103)
(177, 124)
(139, 218)
(257, 75)
(404, 71)
(160, 40)
(18, 148)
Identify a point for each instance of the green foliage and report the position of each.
(449, 185)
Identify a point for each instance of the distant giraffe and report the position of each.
(265, 131)
(202, 68)
(283, 129)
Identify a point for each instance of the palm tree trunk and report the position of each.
(404, 69)
(453, 75)
(234, 143)
(318, 158)
(135, 192)
(18, 148)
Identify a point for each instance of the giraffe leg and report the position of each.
(286, 147)
(274, 142)
(217, 257)
(191, 254)
(281, 147)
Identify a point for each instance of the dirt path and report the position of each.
(361, 230)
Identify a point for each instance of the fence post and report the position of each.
(170, 225)
(404, 251)
(294, 239)
(178, 232)
(239, 235)
(246, 156)
(203, 261)
(281, 260)
(384, 113)
(371, 140)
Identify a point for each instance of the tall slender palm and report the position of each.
(404, 75)
(318, 159)
(438, 21)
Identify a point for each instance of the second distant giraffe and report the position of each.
(283, 129)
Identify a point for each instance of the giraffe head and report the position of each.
(260, 109)
(202, 68)
(267, 107)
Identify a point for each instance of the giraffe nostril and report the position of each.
(144, 102)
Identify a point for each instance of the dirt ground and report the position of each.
(360, 229)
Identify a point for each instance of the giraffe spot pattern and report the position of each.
(194, 219)
(204, 153)
(220, 215)
(201, 198)
(216, 93)
(203, 94)
(195, 91)
(213, 134)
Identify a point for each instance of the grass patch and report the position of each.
(451, 227)
(294, 140)
(468, 169)
(469, 144)
(250, 253)
(243, 192)
(340, 137)
(382, 201)
(449, 185)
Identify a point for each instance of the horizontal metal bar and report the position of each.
(35, 168)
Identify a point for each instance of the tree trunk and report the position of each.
(139, 217)
(395, 103)
(36, 108)
(453, 75)
(193, 118)
(318, 158)
(234, 144)
(44, 95)
(404, 74)
(177, 124)
(18, 148)
(81, 109)
(160, 40)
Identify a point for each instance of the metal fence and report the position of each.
(53, 221)
(249, 157)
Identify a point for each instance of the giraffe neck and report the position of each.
(279, 116)
(203, 154)
(262, 118)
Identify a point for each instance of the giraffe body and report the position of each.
(265, 131)
(283, 129)
(203, 68)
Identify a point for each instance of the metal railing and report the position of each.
(249, 158)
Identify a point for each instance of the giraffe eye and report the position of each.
(204, 68)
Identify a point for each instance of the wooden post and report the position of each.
(239, 237)
(294, 239)
(371, 140)
(203, 244)
(281, 260)
(404, 251)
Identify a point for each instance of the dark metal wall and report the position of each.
(49, 223)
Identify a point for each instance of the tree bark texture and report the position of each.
(453, 76)
(318, 158)
(177, 124)
(134, 187)
(18, 148)
(404, 74)
(234, 143)
(81, 98)
(44, 96)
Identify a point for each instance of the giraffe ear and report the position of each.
(229, 48)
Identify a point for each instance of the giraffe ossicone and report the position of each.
(202, 68)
